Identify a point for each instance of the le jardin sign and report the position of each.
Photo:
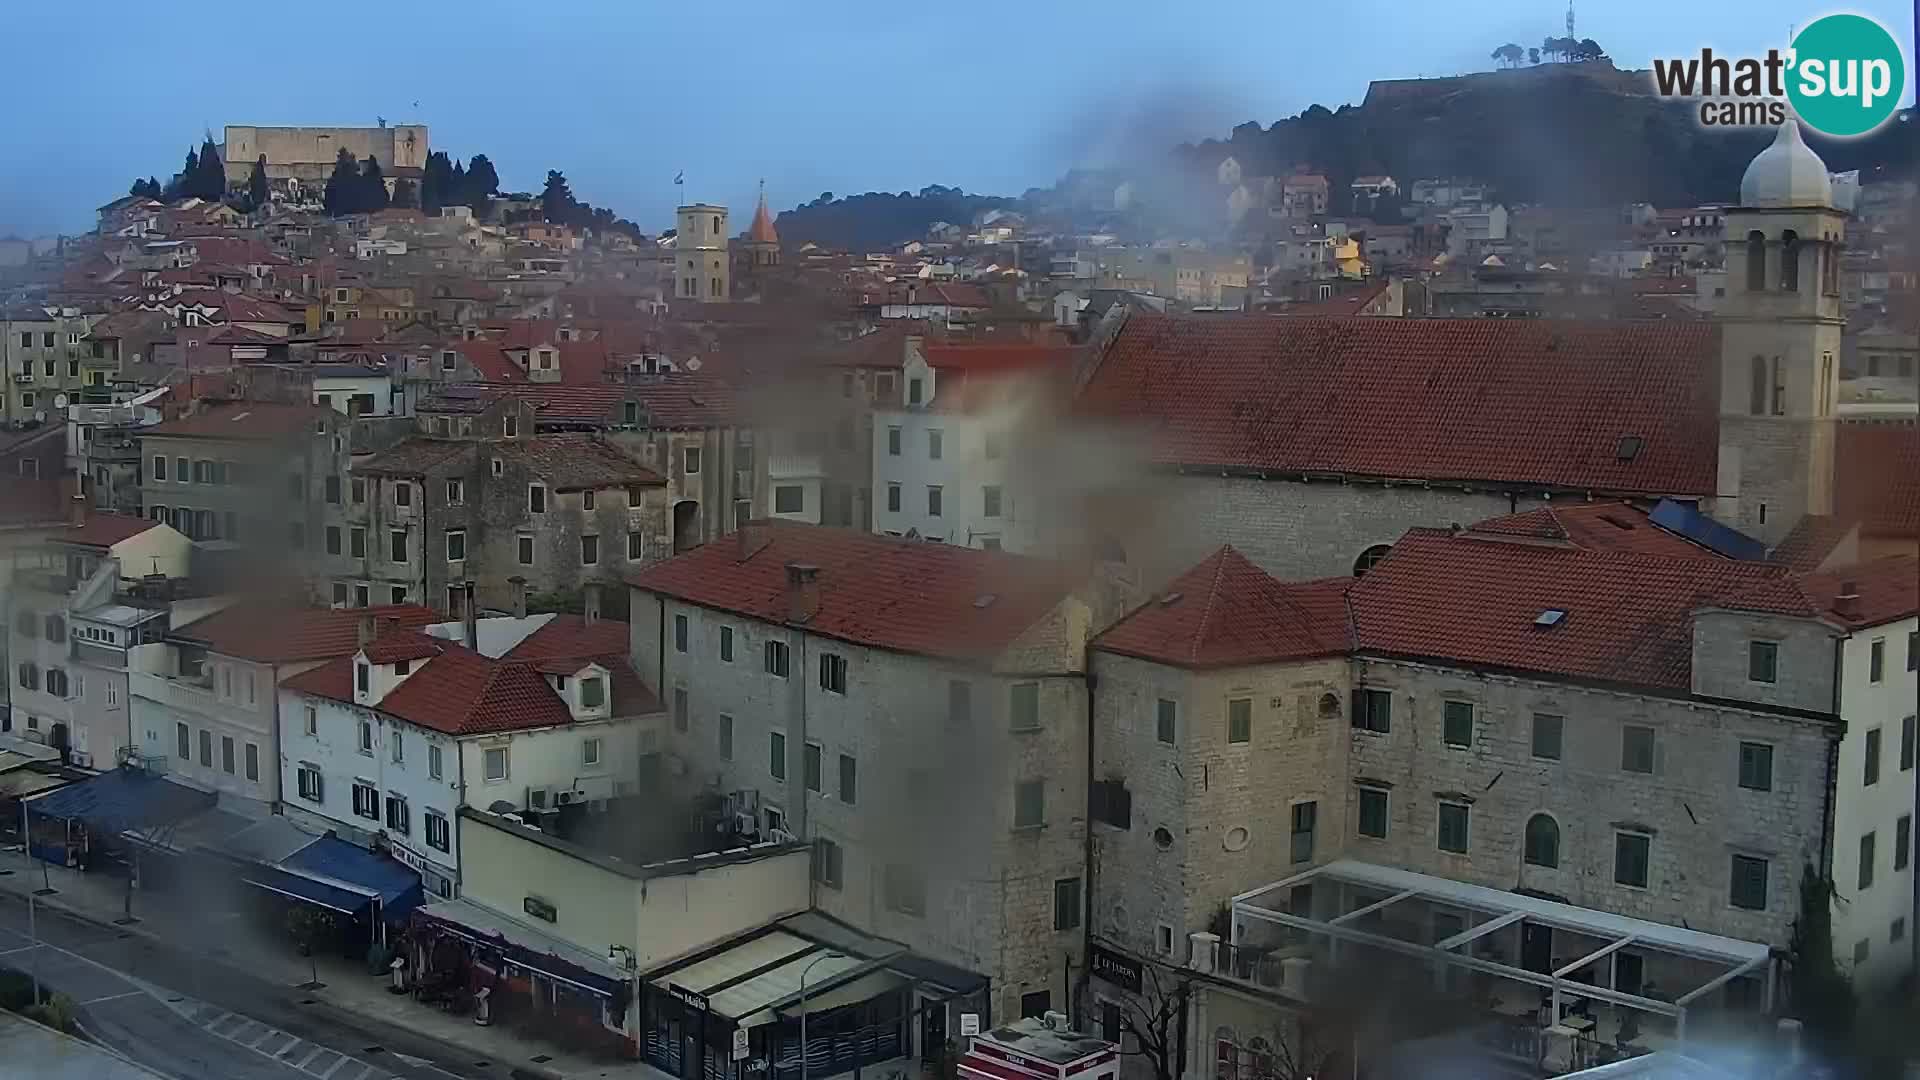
(1122, 971)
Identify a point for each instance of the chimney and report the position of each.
(1205, 954)
(364, 636)
(77, 510)
(470, 616)
(1847, 604)
(590, 602)
(384, 625)
(803, 592)
(519, 586)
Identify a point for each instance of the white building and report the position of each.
(946, 453)
(389, 742)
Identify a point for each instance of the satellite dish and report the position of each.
(41, 416)
(693, 363)
(59, 401)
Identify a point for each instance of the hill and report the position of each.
(879, 220)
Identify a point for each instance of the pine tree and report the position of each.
(339, 197)
(436, 178)
(404, 196)
(480, 174)
(557, 203)
(257, 192)
(181, 187)
(210, 180)
(372, 188)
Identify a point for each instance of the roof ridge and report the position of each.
(1213, 591)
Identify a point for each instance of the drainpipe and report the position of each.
(1089, 681)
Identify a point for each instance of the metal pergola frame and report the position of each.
(1506, 909)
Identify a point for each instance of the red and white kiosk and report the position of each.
(1039, 1048)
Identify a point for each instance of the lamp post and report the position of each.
(828, 955)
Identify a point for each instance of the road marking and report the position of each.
(366, 1070)
(21, 949)
(336, 1066)
(115, 997)
(302, 1063)
(272, 1033)
(218, 1019)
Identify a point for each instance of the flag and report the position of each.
(680, 177)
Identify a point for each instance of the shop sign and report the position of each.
(1122, 971)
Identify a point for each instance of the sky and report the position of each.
(835, 95)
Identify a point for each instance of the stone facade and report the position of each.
(308, 153)
(268, 491)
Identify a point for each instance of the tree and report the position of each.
(481, 177)
(1508, 54)
(372, 189)
(340, 192)
(257, 193)
(405, 196)
(1533, 56)
(1819, 993)
(209, 177)
(1155, 1017)
(436, 179)
(1588, 49)
(179, 188)
(557, 203)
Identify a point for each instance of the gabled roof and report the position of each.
(676, 401)
(1883, 591)
(1627, 615)
(1810, 543)
(248, 420)
(1525, 402)
(1612, 526)
(104, 530)
(1227, 612)
(270, 633)
(566, 462)
(905, 595)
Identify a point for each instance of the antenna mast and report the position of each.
(1570, 18)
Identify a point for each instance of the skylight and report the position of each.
(1550, 618)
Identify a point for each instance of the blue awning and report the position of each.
(300, 887)
(329, 857)
(122, 800)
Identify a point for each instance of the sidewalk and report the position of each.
(347, 986)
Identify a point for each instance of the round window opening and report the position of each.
(1162, 839)
(1329, 705)
(1237, 838)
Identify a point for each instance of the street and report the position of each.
(196, 1018)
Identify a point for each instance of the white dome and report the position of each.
(1788, 173)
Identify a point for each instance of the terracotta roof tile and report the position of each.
(1887, 589)
(1227, 612)
(678, 400)
(276, 634)
(1612, 526)
(250, 420)
(1534, 403)
(567, 462)
(104, 530)
(1810, 542)
(1877, 478)
(905, 595)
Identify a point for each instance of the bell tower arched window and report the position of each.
(1756, 261)
(1790, 261)
(1757, 391)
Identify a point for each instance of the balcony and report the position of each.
(194, 693)
(97, 655)
(795, 467)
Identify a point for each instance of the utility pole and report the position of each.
(33, 926)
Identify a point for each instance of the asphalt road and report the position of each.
(196, 1018)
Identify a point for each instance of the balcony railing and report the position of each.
(191, 692)
(795, 466)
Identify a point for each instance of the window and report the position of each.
(1876, 660)
(357, 542)
(726, 644)
(1756, 261)
(1866, 862)
(1023, 707)
(935, 437)
(397, 546)
(357, 490)
(1370, 558)
(1453, 827)
(1860, 950)
(1240, 720)
(526, 549)
(456, 493)
(726, 737)
(536, 499)
(1305, 817)
(433, 762)
(589, 550)
(312, 720)
(1166, 721)
(253, 762)
(333, 539)
(593, 693)
(456, 545)
(789, 499)
(510, 427)
(990, 501)
(308, 778)
(396, 740)
(1870, 766)
(636, 546)
(1902, 841)
(1906, 744)
(366, 801)
(361, 596)
(828, 863)
(57, 682)
(681, 721)
(690, 460)
(399, 818)
(833, 673)
(849, 779)
(1898, 930)
(438, 836)
(586, 497)
(1373, 710)
(893, 442)
(777, 659)
(494, 762)
(933, 501)
(366, 726)
(1790, 261)
(226, 754)
(913, 391)
(1763, 661)
(159, 468)
(1029, 804)
(1756, 766)
(183, 473)
(1747, 886)
(1636, 749)
(959, 702)
(1631, 852)
(777, 755)
(904, 889)
(1456, 724)
(182, 742)
(402, 493)
(331, 485)
(1913, 650)
(1066, 904)
(1542, 841)
(206, 749)
(1373, 812)
(811, 766)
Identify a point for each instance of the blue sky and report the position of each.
(831, 95)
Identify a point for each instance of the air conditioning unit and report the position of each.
(746, 824)
(537, 798)
(23, 376)
(747, 801)
(566, 798)
(83, 759)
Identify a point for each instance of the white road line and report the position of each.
(115, 997)
(365, 1072)
(217, 1021)
(271, 1033)
(21, 949)
(314, 1053)
(335, 1067)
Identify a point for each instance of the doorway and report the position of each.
(933, 1030)
(1536, 947)
(1629, 972)
(686, 526)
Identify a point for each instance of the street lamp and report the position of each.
(828, 955)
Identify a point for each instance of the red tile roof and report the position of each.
(677, 401)
(1810, 542)
(251, 420)
(104, 530)
(1887, 590)
(1526, 402)
(1227, 612)
(1877, 478)
(1613, 526)
(1473, 600)
(905, 595)
(276, 634)
(567, 462)
(987, 360)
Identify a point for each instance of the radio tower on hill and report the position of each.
(1570, 20)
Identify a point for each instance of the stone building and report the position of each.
(48, 360)
(307, 154)
(499, 506)
(250, 471)
(701, 266)
(917, 710)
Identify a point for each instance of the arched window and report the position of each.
(1757, 390)
(1790, 261)
(1756, 261)
(1369, 558)
(1830, 268)
(1543, 841)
